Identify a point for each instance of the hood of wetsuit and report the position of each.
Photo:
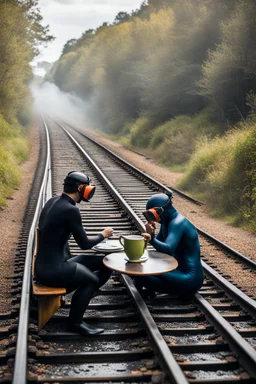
(158, 201)
(77, 178)
(80, 182)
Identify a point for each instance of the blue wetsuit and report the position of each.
(177, 237)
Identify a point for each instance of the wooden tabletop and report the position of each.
(156, 264)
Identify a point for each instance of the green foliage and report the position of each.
(60, 70)
(20, 34)
(176, 140)
(243, 173)
(222, 172)
(251, 103)
(10, 176)
(209, 157)
(20, 149)
(14, 149)
(69, 46)
(140, 132)
(122, 17)
(229, 74)
(25, 113)
(5, 129)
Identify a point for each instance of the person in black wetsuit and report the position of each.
(177, 237)
(54, 265)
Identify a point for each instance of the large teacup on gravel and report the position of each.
(134, 246)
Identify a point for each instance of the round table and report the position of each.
(156, 264)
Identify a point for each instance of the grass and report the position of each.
(223, 173)
(14, 149)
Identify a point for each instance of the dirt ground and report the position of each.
(11, 219)
(12, 215)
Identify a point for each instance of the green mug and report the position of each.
(134, 246)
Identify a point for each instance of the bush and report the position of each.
(14, 149)
(5, 129)
(20, 149)
(25, 113)
(223, 173)
(177, 149)
(9, 176)
(176, 140)
(208, 157)
(140, 134)
(242, 174)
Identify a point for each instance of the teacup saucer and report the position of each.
(141, 260)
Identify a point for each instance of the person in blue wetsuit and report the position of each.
(60, 218)
(177, 237)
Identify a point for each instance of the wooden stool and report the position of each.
(49, 298)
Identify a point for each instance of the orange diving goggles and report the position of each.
(86, 191)
(153, 214)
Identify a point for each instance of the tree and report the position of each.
(21, 33)
(69, 46)
(85, 39)
(121, 17)
(37, 33)
(229, 74)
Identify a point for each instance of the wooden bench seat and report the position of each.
(42, 290)
(48, 298)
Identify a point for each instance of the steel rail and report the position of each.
(231, 290)
(246, 260)
(21, 357)
(173, 369)
(175, 372)
(246, 353)
(250, 263)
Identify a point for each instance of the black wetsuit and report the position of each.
(54, 265)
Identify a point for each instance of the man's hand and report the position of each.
(107, 232)
(146, 236)
(151, 227)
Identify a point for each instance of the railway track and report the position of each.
(214, 252)
(209, 339)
